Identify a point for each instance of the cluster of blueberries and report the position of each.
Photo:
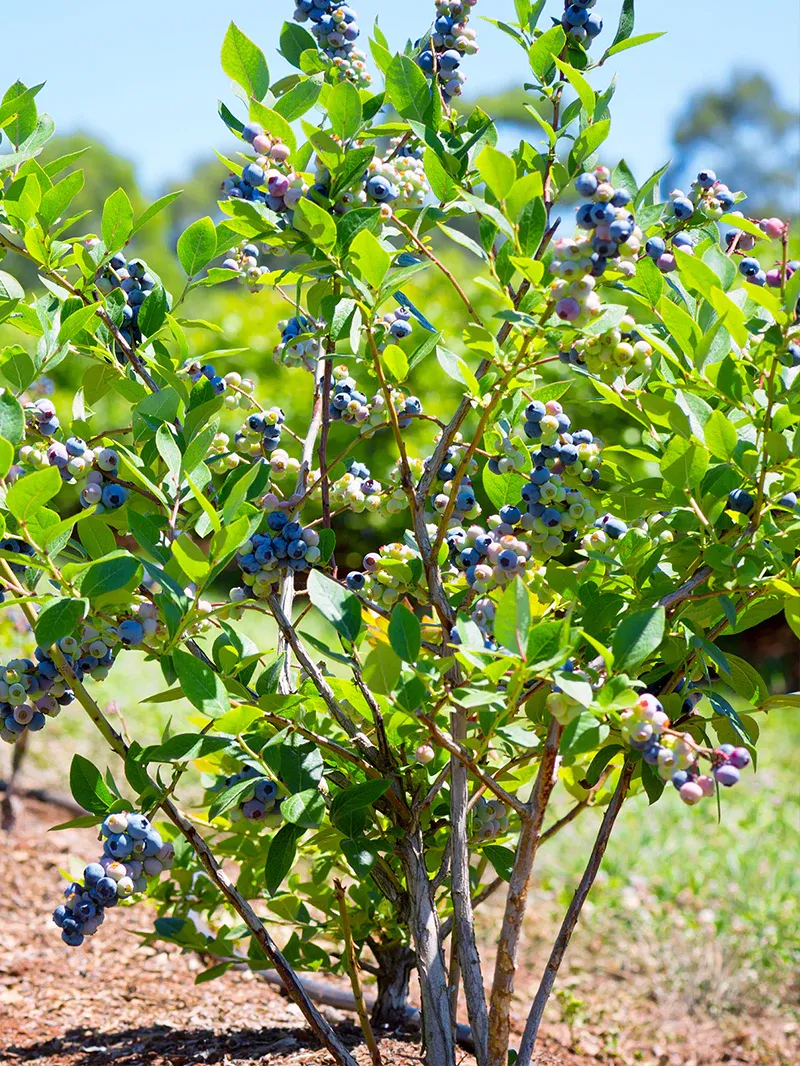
(32, 690)
(611, 353)
(645, 728)
(244, 263)
(450, 40)
(254, 805)
(579, 21)
(266, 427)
(133, 851)
(235, 390)
(612, 242)
(336, 29)
(284, 545)
(489, 819)
(74, 460)
(133, 278)
(300, 343)
(357, 489)
(387, 574)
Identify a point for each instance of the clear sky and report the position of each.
(146, 78)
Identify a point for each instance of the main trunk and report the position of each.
(437, 1029)
(395, 963)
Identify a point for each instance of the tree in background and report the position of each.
(749, 135)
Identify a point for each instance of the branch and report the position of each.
(440, 265)
(517, 898)
(287, 585)
(571, 917)
(355, 979)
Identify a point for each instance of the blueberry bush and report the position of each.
(547, 621)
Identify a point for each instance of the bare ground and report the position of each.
(114, 1001)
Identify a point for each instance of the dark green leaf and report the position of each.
(88, 787)
(202, 687)
(280, 857)
(60, 619)
(638, 636)
(340, 607)
(405, 633)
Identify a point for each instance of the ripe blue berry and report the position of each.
(741, 501)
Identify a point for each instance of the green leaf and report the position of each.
(315, 222)
(513, 618)
(684, 463)
(78, 321)
(546, 645)
(503, 488)
(653, 785)
(300, 98)
(501, 858)
(202, 687)
(197, 246)
(408, 90)
(340, 607)
(186, 747)
(88, 787)
(626, 22)
(280, 857)
(108, 575)
(60, 618)
(305, 809)
(12, 420)
(56, 200)
(579, 84)
(348, 810)
(544, 50)
(497, 170)
(230, 797)
(369, 257)
(244, 63)
(532, 223)
(295, 40)
(444, 186)
(639, 634)
(361, 854)
(6, 456)
(153, 311)
(405, 633)
(630, 42)
(720, 436)
(587, 142)
(117, 224)
(582, 734)
(343, 105)
(30, 493)
(394, 359)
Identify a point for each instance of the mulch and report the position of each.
(115, 1001)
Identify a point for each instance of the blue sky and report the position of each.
(146, 78)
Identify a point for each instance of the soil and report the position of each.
(116, 1001)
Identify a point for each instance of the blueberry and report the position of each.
(277, 520)
(683, 208)
(593, 25)
(510, 514)
(114, 496)
(706, 178)
(741, 501)
(615, 528)
(92, 874)
(138, 826)
(380, 189)
(679, 778)
(602, 214)
(749, 267)
(586, 184)
(508, 559)
(130, 633)
(105, 891)
(535, 411)
(465, 500)
(788, 501)
(253, 175)
(251, 131)
(75, 446)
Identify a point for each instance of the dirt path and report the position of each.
(113, 1001)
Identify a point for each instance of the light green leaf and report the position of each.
(197, 246)
(117, 224)
(244, 62)
(340, 607)
(637, 637)
(405, 633)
